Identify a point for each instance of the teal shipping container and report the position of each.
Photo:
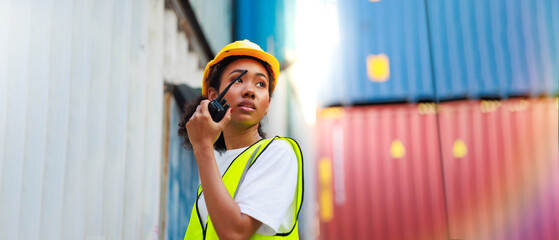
(270, 24)
(486, 49)
(437, 50)
(183, 178)
(183, 181)
(383, 55)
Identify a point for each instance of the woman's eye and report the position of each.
(238, 80)
(261, 84)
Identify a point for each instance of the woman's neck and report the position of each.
(237, 137)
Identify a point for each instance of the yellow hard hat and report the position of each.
(242, 48)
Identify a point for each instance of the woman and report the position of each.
(254, 189)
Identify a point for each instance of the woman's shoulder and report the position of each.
(284, 142)
(281, 144)
(279, 148)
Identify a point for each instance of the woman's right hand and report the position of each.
(202, 130)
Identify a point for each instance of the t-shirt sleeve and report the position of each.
(269, 186)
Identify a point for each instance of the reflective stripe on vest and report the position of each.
(231, 179)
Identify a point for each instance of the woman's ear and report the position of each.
(212, 94)
(268, 108)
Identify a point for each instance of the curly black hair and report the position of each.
(215, 81)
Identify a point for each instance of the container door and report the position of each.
(501, 168)
(380, 174)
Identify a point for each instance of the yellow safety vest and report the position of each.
(232, 177)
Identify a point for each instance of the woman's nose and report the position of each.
(248, 92)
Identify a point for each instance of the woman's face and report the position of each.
(248, 97)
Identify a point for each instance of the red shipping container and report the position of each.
(380, 173)
(501, 169)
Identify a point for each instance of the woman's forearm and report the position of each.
(226, 215)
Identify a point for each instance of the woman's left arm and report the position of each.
(228, 221)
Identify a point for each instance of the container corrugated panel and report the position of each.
(215, 18)
(266, 23)
(183, 181)
(501, 166)
(379, 173)
(494, 48)
(80, 119)
(383, 54)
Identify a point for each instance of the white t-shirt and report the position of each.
(268, 190)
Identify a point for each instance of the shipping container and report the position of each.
(81, 116)
(501, 168)
(268, 23)
(494, 48)
(183, 179)
(398, 51)
(379, 173)
(216, 21)
(382, 56)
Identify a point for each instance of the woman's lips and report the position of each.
(246, 109)
(247, 106)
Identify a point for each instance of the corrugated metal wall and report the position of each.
(501, 165)
(464, 169)
(266, 23)
(180, 65)
(215, 17)
(398, 51)
(81, 99)
(500, 159)
(379, 173)
(495, 48)
(183, 181)
(390, 37)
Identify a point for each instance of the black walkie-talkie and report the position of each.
(218, 107)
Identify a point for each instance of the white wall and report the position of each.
(81, 111)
